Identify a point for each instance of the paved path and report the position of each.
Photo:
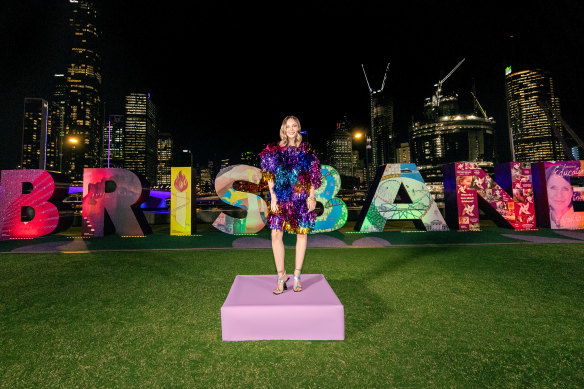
(216, 240)
(540, 239)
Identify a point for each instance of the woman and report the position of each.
(559, 194)
(293, 173)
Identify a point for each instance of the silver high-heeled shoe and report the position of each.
(297, 288)
(281, 281)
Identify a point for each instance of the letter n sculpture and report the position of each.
(467, 186)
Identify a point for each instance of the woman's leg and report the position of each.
(301, 240)
(278, 249)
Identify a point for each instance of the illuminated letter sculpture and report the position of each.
(559, 194)
(111, 199)
(335, 210)
(467, 186)
(417, 203)
(182, 201)
(254, 205)
(43, 205)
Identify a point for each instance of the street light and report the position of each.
(73, 140)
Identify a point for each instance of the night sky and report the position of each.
(223, 74)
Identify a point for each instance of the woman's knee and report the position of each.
(277, 234)
(301, 236)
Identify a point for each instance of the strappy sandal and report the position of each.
(281, 281)
(297, 288)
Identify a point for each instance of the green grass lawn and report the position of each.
(482, 316)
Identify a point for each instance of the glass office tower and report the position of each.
(164, 159)
(339, 149)
(34, 134)
(531, 133)
(113, 142)
(82, 120)
(141, 136)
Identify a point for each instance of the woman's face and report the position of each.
(291, 128)
(559, 192)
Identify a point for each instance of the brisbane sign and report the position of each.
(520, 196)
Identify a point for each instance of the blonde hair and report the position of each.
(284, 136)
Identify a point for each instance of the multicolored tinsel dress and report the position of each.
(294, 171)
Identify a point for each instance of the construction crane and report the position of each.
(437, 95)
(382, 84)
(552, 117)
(479, 105)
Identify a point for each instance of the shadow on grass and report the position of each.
(364, 293)
(363, 300)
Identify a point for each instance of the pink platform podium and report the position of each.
(252, 312)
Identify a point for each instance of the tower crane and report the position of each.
(437, 95)
(382, 84)
(479, 105)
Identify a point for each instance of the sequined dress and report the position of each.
(294, 170)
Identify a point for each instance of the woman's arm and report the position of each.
(273, 198)
(315, 181)
(311, 200)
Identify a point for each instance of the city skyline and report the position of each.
(237, 83)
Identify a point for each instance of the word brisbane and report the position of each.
(520, 196)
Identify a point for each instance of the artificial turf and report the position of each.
(481, 316)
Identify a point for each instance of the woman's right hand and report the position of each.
(274, 204)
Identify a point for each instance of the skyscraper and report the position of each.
(403, 153)
(34, 134)
(82, 119)
(205, 182)
(164, 159)
(383, 137)
(141, 136)
(339, 147)
(113, 142)
(57, 112)
(52, 140)
(531, 134)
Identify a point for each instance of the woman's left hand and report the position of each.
(311, 203)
